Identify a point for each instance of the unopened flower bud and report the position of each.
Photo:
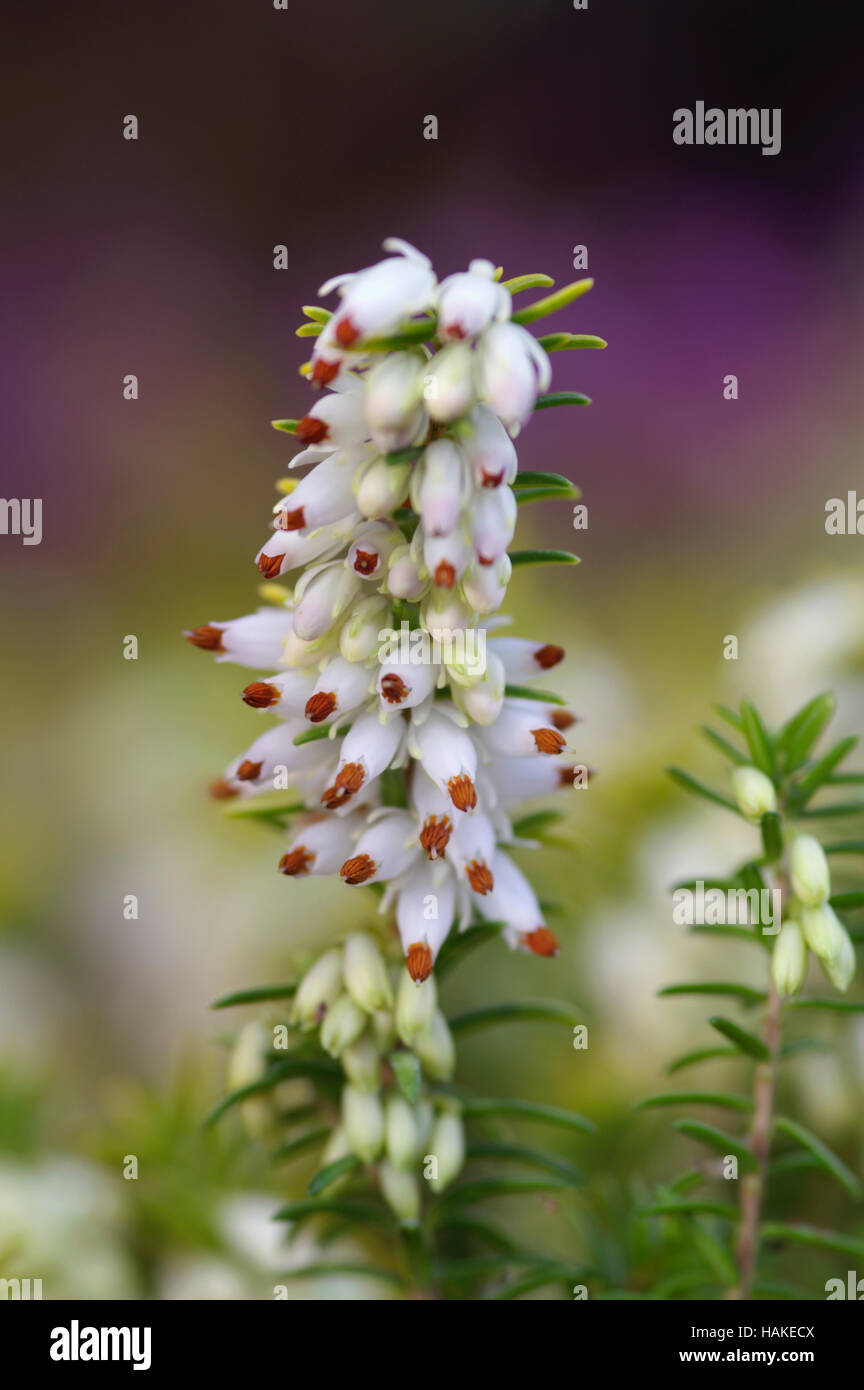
(401, 1191)
(246, 1066)
(362, 1063)
(448, 383)
(841, 969)
(436, 1049)
(384, 1029)
(360, 634)
(363, 1117)
(318, 990)
(447, 1147)
(382, 487)
(789, 959)
(808, 869)
(403, 1132)
(365, 973)
(823, 932)
(342, 1026)
(754, 792)
(415, 1007)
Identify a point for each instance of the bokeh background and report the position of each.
(304, 127)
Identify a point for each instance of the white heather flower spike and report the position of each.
(400, 754)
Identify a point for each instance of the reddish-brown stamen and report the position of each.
(366, 561)
(297, 861)
(462, 793)
(541, 941)
(491, 479)
(480, 876)
(548, 740)
(348, 781)
(323, 372)
(567, 775)
(221, 790)
(346, 332)
(208, 638)
(270, 565)
(292, 519)
(261, 695)
(311, 430)
(418, 959)
(394, 689)
(358, 870)
(435, 834)
(486, 559)
(562, 718)
(320, 705)
(548, 656)
(445, 575)
(247, 772)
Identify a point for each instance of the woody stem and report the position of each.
(759, 1144)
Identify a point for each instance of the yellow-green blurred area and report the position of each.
(706, 519)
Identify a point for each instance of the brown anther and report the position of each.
(270, 565)
(548, 656)
(358, 870)
(320, 705)
(541, 941)
(394, 689)
(418, 959)
(480, 876)
(486, 559)
(445, 575)
(567, 775)
(434, 835)
(311, 430)
(562, 718)
(348, 781)
(247, 772)
(261, 695)
(297, 862)
(366, 561)
(462, 793)
(548, 740)
(323, 372)
(221, 790)
(208, 638)
(292, 519)
(346, 332)
(491, 479)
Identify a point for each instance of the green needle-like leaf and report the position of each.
(694, 1207)
(257, 995)
(529, 478)
(725, 1099)
(813, 1236)
(461, 944)
(823, 1155)
(286, 426)
(527, 692)
(518, 1153)
(745, 1042)
(325, 1177)
(845, 901)
(800, 733)
(319, 732)
(360, 1271)
(692, 784)
(486, 1107)
(542, 557)
(845, 847)
(840, 1006)
(528, 282)
(563, 342)
(717, 1139)
(409, 335)
(772, 836)
(744, 993)
(818, 775)
(481, 1189)
(758, 741)
(541, 308)
(726, 748)
(702, 1054)
(840, 808)
(313, 1068)
(553, 398)
(263, 805)
(312, 1139)
(521, 1011)
(331, 1206)
(526, 495)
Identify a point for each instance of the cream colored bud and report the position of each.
(403, 1132)
(384, 1029)
(754, 792)
(401, 1191)
(362, 1063)
(246, 1065)
(447, 1147)
(789, 959)
(841, 969)
(823, 932)
(415, 1007)
(808, 871)
(365, 973)
(318, 990)
(342, 1025)
(363, 1117)
(436, 1049)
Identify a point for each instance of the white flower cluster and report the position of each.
(405, 515)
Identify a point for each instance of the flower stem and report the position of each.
(759, 1143)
